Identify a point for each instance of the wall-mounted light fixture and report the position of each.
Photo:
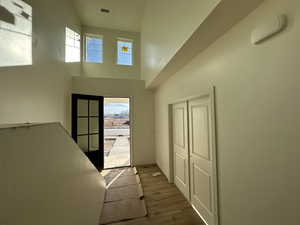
(269, 28)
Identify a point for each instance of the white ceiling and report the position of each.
(124, 14)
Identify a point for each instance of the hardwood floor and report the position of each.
(165, 203)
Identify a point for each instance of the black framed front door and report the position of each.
(88, 126)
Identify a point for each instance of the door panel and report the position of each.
(203, 184)
(180, 140)
(82, 107)
(82, 142)
(94, 125)
(82, 126)
(180, 172)
(94, 142)
(199, 131)
(94, 108)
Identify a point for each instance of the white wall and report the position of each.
(143, 110)
(41, 92)
(46, 179)
(109, 67)
(166, 26)
(257, 95)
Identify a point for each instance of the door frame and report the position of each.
(212, 96)
(131, 98)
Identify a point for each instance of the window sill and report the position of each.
(93, 62)
(125, 65)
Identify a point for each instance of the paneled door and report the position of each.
(202, 158)
(180, 148)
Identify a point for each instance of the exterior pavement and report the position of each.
(120, 153)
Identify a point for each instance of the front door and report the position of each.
(87, 126)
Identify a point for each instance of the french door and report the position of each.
(87, 126)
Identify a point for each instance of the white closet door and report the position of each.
(180, 141)
(202, 159)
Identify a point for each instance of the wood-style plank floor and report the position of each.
(165, 203)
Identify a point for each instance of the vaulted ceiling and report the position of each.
(124, 14)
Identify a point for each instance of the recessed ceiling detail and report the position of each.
(114, 14)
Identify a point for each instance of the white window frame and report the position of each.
(16, 39)
(75, 33)
(85, 47)
(132, 51)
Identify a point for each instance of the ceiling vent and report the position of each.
(105, 10)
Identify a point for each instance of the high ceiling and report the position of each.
(124, 14)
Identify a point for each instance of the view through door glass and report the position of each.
(116, 132)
